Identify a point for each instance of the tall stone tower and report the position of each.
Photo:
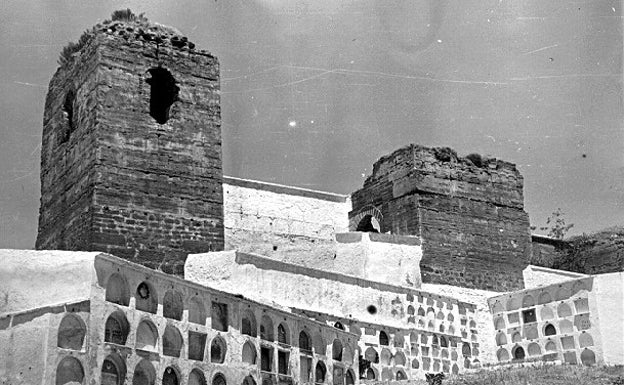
(131, 153)
(468, 212)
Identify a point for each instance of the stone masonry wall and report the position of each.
(602, 252)
(286, 223)
(137, 178)
(468, 212)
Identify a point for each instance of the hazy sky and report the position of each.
(314, 91)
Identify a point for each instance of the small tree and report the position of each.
(556, 225)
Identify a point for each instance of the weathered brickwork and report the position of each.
(468, 212)
(131, 155)
(602, 252)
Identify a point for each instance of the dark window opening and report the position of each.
(372, 309)
(338, 325)
(266, 358)
(197, 342)
(68, 112)
(368, 224)
(163, 93)
(219, 316)
(282, 362)
(529, 316)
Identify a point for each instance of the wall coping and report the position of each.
(283, 189)
(266, 263)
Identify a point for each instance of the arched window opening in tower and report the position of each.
(68, 112)
(369, 224)
(163, 93)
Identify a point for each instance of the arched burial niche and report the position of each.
(117, 290)
(173, 305)
(283, 334)
(249, 380)
(502, 354)
(147, 336)
(399, 359)
(319, 344)
(400, 375)
(549, 330)
(196, 377)
(113, 370)
(170, 376)
(218, 348)
(219, 379)
(266, 328)
(304, 342)
(386, 356)
(163, 93)
(337, 350)
(172, 341)
(248, 324)
(197, 311)
(588, 357)
(518, 353)
(383, 338)
(249, 353)
(144, 373)
(320, 372)
(371, 355)
(69, 371)
(116, 328)
(350, 377)
(146, 298)
(71, 332)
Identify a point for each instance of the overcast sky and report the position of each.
(314, 91)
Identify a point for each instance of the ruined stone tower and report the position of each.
(131, 153)
(469, 213)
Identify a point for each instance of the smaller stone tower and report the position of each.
(468, 212)
(131, 153)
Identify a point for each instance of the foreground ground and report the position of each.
(545, 375)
